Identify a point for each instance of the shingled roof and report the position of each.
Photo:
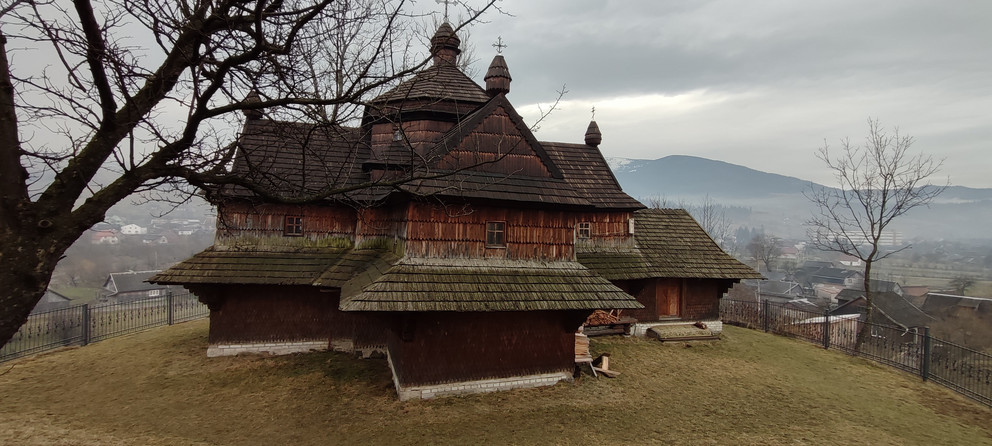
(486, 285)
(130, 281)
(587, 172)
(891, 305)
(295, 159)
(330, 267)
(668, 243)
(437, 83)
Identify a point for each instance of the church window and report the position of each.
(496, 233)
(584, 230)
(294, 225)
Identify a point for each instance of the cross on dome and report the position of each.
(446, 3)
(499, 45)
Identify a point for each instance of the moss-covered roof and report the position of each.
(486, 285)
(668, 243)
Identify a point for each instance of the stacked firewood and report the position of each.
(600, 317)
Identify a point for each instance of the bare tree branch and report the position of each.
(142, 92)
(877, 181)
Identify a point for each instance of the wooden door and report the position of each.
(668, 297)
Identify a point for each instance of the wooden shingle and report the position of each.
(326, 267)
(668, 243)
(486, 285)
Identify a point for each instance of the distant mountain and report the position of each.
(777, 201)
(681, 175)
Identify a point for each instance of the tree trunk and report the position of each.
(29, 261)
(865, 331)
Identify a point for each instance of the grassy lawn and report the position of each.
(158, 388)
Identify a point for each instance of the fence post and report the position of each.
(826, 330)
(168, 303)
(925, 361)
(86, 324)
(764, 323)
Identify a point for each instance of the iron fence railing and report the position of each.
(958, 368)
(83, 324)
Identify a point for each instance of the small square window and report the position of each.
(583, 230)
(294, 226)
(496, 233)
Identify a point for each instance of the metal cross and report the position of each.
(594, 113)
(446, 3)
(499, 45)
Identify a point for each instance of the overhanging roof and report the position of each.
(668, 243)
(486, 285)
(329, 267)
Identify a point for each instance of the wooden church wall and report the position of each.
(438, 231)
(381, 222)
(434, 348)
(269, 220)
(272, 313)
(607, 228)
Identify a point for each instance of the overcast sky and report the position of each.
(756, 83)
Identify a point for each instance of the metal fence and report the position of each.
(83, 324)
(958, 368)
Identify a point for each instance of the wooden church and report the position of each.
(469, 278)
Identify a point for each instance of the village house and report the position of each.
(133, 229)
(474, 276)
(131, 285)
(889, 309)
(51, 301)
(105, 237)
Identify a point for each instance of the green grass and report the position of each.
(158, 388)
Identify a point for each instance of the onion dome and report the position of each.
(252, 98)
(498, 77)
(444, 45)
(593, 136)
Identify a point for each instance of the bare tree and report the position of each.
(143, 94)
(961, 283)
(877, 181)
(712, 218)
(710, 215)
(765, 248)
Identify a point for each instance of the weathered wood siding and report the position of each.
(419, 134)
(687, 299)
(661, 297)
(381, 222)
(243, 313)
(702, 298)
(608, 229)
(496, 145)
(434, 348)
(268, 220)
(438, 231)
(255, 314)
(644, 291)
